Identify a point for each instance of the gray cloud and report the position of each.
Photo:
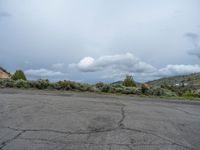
(167, 71)
(193, 36)
(195, 41)
(42, 73)
(5, 14)
(117, 66)
(196, 52)
(58, 66)
(65, 31)
(124, 62)
(171, 70)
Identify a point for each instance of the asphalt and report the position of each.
(52, 120)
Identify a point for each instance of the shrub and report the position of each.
(158, 92)
(42, 84)
(7, 83)
(144, 88)
(94, 89)
(82, 87)
(19, 74)
(21, 84)
(99, 85)
(105, 88)
(127, 90)
(191, 94)
(39, 84)
(64, 85)
(129, 82)
(118, 90)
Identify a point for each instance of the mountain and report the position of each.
(186, 80)
(121, 82)
(117, 83)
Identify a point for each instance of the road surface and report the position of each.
(52, 120)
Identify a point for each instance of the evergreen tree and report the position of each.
(129, 81)
(19, 74)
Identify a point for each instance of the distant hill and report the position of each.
(187, 80)
(117, 83)
(121, 82)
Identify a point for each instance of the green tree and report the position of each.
(145, 87)
(19, 75)
(129, 81)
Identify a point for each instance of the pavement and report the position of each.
(54, 120)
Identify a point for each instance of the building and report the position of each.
(4, 74)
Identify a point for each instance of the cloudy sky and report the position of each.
(100, 40)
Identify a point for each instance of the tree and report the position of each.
(19, 74)
(145, 87)
(129, 82)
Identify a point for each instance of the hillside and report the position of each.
(188, 80)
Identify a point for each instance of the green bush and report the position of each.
(158, 92)
(118, 90)
(129, 82)
(106, 88)
(42, 84)
(191, 94)
(21, 84)
(63, 85)
(7, 83)
(127, 90)
(39, 84)
(94, 89)
(99, 85)
(145, 88)
(82, 87)
(19, 75)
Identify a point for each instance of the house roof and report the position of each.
(4, 70)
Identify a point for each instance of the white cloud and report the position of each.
(171, 70)
(115, 67)
(42, 73)
(58, 65)
(124, 62)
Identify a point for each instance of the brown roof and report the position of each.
(4, 70)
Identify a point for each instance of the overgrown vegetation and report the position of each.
(128, 86)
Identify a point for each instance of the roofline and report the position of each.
(4, 70)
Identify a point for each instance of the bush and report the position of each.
(106, 88)
(191, 94)
(18, 75)
(128, 90)
(129, 82)
(118, 90)
(94, 89)
(145, 88)
(63, 85)
(99, 85)
(7, 83)
(158, 92)
(21, 84)
(39, 84)
(82, 87)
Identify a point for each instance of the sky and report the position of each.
(99, 40)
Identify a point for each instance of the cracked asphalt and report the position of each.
(53, 120)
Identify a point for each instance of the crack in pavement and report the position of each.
(90, 143)
(120, 126)
(161, 137)
(120, 123)
(4, 143)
